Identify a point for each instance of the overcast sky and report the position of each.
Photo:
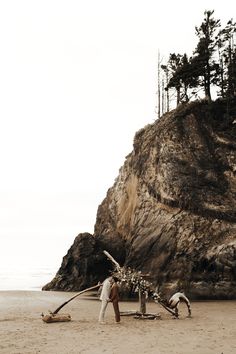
(77, 80)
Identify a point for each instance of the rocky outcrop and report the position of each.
(85, 263)
(172, 209)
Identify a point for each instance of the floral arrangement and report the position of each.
(136, 282)
(134, 279)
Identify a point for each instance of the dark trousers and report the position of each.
(116, 310)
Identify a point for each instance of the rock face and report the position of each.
(172, 209)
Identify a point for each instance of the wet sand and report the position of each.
(211, 330)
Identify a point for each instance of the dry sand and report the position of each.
(211, 330)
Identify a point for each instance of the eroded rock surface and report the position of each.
(172, 209)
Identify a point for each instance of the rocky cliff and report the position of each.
(172, 209)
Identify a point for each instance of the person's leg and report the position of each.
(176, 309)
(116, 310)
(102, 311)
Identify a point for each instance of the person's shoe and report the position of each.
(102, 322)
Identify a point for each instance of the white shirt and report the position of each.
(175, 299)
(106, 290)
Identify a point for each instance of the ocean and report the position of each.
(32, 279)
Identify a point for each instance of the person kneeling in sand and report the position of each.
(175, 300)
(105, 298)
(114, 298)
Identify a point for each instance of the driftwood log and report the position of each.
(55, 317)
(140, 315)
(73, 297)
(62, 317)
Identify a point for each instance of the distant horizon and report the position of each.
(32, 279)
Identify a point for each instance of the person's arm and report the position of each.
(114, 293)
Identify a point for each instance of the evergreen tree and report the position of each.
(221, 78)
(232, 91)
(226, 38)
(187, 78)
(174, 64)
(182, 77)
(207, 68)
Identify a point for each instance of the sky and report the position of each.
(77, 80)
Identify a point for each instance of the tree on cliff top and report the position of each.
(207, 68)
(213, 62)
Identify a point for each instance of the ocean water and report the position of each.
(32, 279)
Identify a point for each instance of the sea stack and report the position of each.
(172, 209)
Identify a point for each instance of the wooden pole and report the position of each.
(167, 308)
(112, 259)
(73, 297)
(142, 302)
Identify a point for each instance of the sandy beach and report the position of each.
(211, 330)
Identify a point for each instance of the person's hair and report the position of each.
(115, 279)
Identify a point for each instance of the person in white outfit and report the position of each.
(105, 298)
(175, 300)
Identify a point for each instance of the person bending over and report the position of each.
(175, 300)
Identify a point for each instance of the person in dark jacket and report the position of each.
(114, 298)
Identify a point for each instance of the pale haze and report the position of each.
(77, 80)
